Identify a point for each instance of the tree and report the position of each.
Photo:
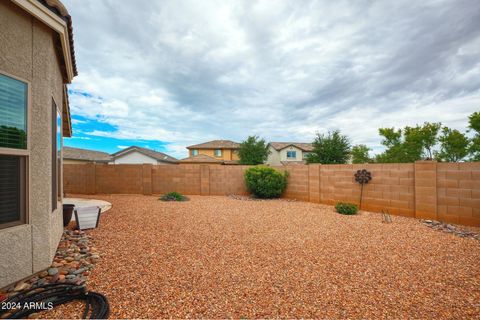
(410, 144)
(474, 124)
(253, 151)
(360, 154)
(333, 148)
(453, 146)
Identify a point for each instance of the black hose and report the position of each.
(53, 295)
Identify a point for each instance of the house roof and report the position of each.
(216, 144)
(57, 7)
(85, 155)
(300, 145)
(201, 158)
(160, 156)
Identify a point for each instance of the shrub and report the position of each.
(173, 196)
(346, 208)
(265, 182)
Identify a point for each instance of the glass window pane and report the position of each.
(13, 113)
(10, 188)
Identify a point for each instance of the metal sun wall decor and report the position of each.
(363, 177)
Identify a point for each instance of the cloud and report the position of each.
(185, 71)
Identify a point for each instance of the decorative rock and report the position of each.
(21, 286)
(52, 271)
(71, 264)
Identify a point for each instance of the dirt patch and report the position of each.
(216, 257)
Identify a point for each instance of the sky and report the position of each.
(168, 74)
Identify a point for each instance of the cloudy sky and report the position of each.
(167, 74)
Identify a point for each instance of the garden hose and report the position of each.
(48, 296)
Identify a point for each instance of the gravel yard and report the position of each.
(218, 257)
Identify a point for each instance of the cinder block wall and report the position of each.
(448, 192)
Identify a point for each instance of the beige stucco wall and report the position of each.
(273, 157)
(27, 51)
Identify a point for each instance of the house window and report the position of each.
(56, 148)
(13, 113)
(13, 151)
(291, 154)
(194, 152)
(218, 153)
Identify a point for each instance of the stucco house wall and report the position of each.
(227, 154)
(27, 52)
(135, 157)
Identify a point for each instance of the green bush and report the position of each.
(173, 196)
(346, 208)
(265, 182)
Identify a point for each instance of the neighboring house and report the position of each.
(282, 153)
(138, 155)
(82, 156)
(225, 150)
(36, 62)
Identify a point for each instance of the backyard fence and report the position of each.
(448, 192)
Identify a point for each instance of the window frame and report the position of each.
(215, 153)
(294, 152)
(56, 155)
(25, 163)
(194, 152)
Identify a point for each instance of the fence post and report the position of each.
(426, 190)
(314, 183)
(90, 178)
(204, 179)
(147, 178)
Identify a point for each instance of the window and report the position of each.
(56, 149)
(218, 153)
(13, 113)
(291, 154)
(13, 151)
(194, 152)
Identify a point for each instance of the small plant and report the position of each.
(265, 182)
(346, 208)
(173, 196)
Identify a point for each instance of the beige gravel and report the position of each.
(217, 257)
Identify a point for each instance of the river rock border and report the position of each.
(450, 228)
(75, 257)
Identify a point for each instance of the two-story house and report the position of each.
(221, 150)
(283, 153)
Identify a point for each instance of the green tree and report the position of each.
(332, 148)
(453, 146)
(253, 151)
(474, 124)
(360, 154)
(410, 144)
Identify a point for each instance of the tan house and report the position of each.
(139, 155)
(287, 153)
(36, 62)
(82, 156)
(224, 150)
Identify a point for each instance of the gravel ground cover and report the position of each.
(217, 257)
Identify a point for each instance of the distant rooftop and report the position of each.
(85, 155)
(201, 158)
(300, 145)
(216, 144)
(160, 156)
